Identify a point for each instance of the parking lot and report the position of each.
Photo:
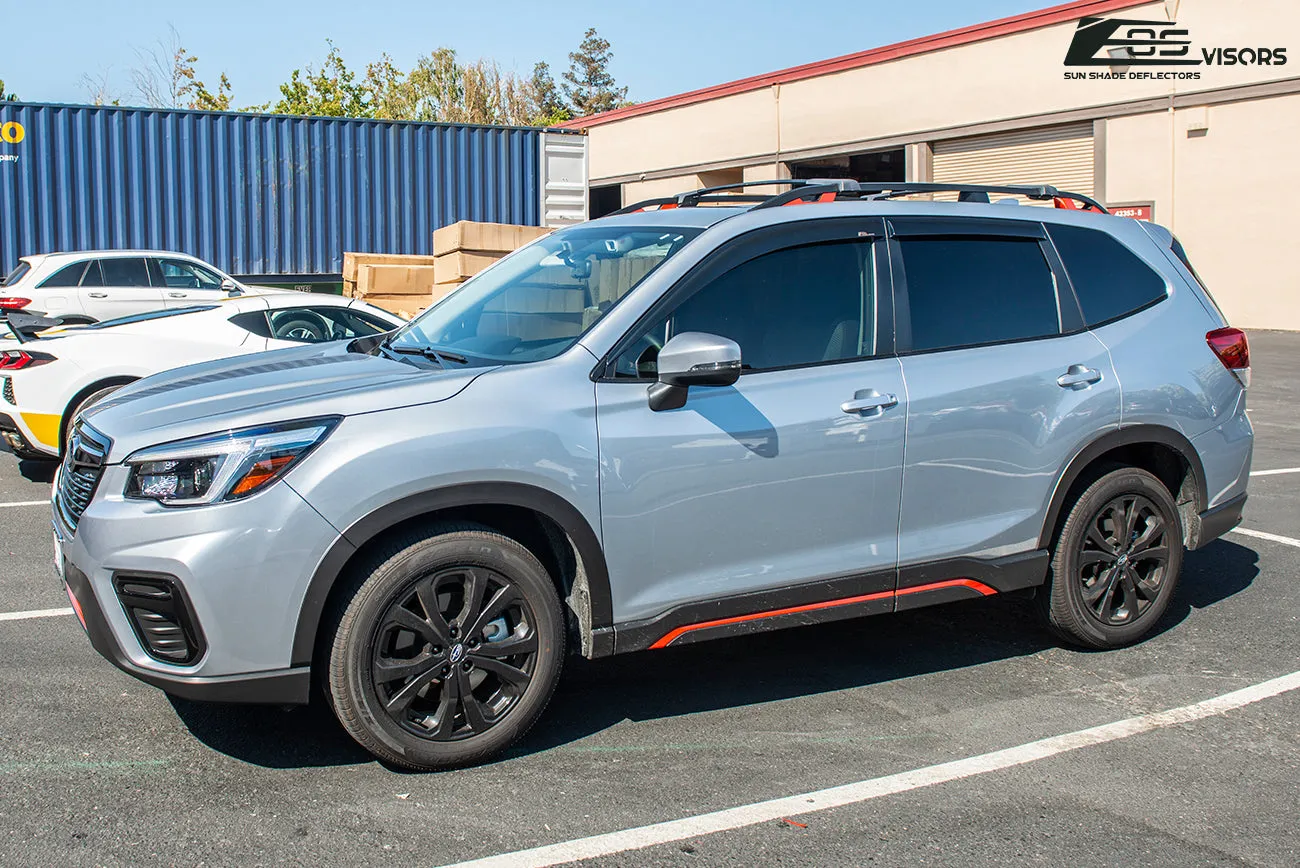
(97, 768)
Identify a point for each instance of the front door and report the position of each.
(770, 488)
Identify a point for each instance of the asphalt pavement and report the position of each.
(98, 769)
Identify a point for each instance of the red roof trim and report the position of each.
(921, 45)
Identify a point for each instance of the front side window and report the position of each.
(183, 274)
(800, 305)
(68, 275)
(536, 304)
(965, 292)
(124, 272)
(1108, 278)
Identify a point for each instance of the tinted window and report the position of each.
(16, 275)
(69, 275)
(93, 276)
(797, 306)
(183, 274)
(124, 272)
(969, 291)
(317, 324)
(1109, 279)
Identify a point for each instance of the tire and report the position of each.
(1108, 588)
(398, 673)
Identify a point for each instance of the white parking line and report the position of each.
(849, 794)
(27, 503)
(1275, 472)
(33, 613)
(1271, 537)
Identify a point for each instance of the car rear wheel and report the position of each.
(1116, 561)
(449, 651)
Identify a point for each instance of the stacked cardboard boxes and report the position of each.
(406, 285)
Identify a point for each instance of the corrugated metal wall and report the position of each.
(252, 194)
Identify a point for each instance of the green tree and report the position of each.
(165, 77)
(6, 96)
(331, 91)
(551, 106)
(588, 84)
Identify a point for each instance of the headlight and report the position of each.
(222, 467)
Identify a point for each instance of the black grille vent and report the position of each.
(8, 389)
(83, 464)
(161, 617)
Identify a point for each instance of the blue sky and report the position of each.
(661, 48)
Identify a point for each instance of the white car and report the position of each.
(46, 381)
(96, 285)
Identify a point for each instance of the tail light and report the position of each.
(1233, 350)
(13, 302)
(16, 360)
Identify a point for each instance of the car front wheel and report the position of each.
(1116, 561)
(449, 651)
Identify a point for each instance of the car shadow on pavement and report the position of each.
(37, 471)
(595, 695)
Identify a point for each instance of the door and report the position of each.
(185, 283)
(1004, 386)
(118, 286)
(773, 484)
(1061, 155)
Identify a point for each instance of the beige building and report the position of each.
(1209, 149)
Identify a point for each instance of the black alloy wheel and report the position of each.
(453, 654)
(1115, 561)
(448, 650)
(1123, 559)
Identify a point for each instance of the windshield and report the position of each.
(16, 275)
(536, 304)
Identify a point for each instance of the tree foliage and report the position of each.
(588, 84)
(165, 77)
(5, 95)
(552, 108)
(331, 91)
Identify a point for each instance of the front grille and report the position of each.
(161, 617)
(83, 464)
(8, 389)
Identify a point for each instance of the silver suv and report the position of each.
(669, 425)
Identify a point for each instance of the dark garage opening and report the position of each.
(604, 200)
(878, 166)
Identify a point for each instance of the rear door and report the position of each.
(118, 286)
(1004, 387)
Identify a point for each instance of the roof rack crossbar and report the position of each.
(1041, 192)
(709, 194)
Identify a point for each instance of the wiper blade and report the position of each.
(439, 356)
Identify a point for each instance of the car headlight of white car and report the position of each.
(216, 468)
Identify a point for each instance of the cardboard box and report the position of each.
(403, 305)
(394, 280)
(484, 237)
(353, 261)
(455, 267)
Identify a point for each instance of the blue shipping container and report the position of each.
(252, 194)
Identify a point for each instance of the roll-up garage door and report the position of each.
(1061, 156)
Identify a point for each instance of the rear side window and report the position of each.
(68, 275)
(965, 292)
(17, 274)
(1109, 279)
(124, 272)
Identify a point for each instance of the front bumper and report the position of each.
(244, 568)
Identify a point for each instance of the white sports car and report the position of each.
(45, 382)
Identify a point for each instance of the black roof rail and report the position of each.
(710, 195)
(1041, 192)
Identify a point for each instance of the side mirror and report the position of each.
(229, 287)
(693, 359)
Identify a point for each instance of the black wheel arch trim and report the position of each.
(1133, 435)
(547, 503)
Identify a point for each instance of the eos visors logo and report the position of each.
(1121, 43)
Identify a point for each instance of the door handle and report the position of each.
(178, 295)
(867, 400)
(98, 294)
(1078, 375)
